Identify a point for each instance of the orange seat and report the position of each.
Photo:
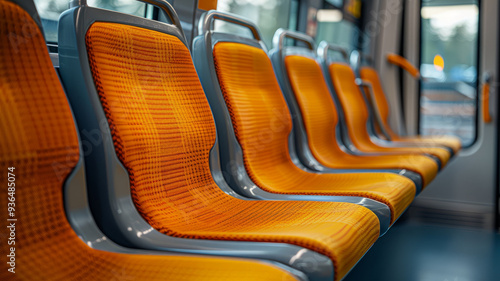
(163, 131)
(357, 115)
(369, 74)
(39, 140)
(320, 119)
(262, 123)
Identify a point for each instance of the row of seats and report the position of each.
(319, 117)
(269, 161)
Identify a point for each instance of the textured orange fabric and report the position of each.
(369, 74)
(486, 103)
(320, 119)
(207, 5)
(404, 64)
(356, 115)
(39, 139)
(163, 131)
(262, 123)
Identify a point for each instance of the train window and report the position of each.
(335, 30)
(269, 15)
(51, 10)
(449, 67)
(338, 23)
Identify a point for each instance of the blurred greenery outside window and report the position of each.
(50, 10)
(342, 33)
(268, 15)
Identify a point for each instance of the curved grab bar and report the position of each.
(485, 97)
(162, 4)
(403, 63)
(324, 47)
(207, 22)
(281, 34)
(357, 59)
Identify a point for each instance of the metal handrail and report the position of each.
(281, 34)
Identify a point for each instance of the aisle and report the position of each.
(418, 252)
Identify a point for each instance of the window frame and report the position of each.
(358, 24)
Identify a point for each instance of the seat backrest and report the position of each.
(370, 74)
(260, 122)
(254, 130)
(327, 56)
(354, 105)
(138, 98)
(172, 116)
(318, 111)
(300, 89)
(39, 141)
(256, 108)
(39, 155)
(43, 173)
(316, 116)
(148, 94)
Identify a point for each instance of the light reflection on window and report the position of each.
(269, 15)
(50, 10)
